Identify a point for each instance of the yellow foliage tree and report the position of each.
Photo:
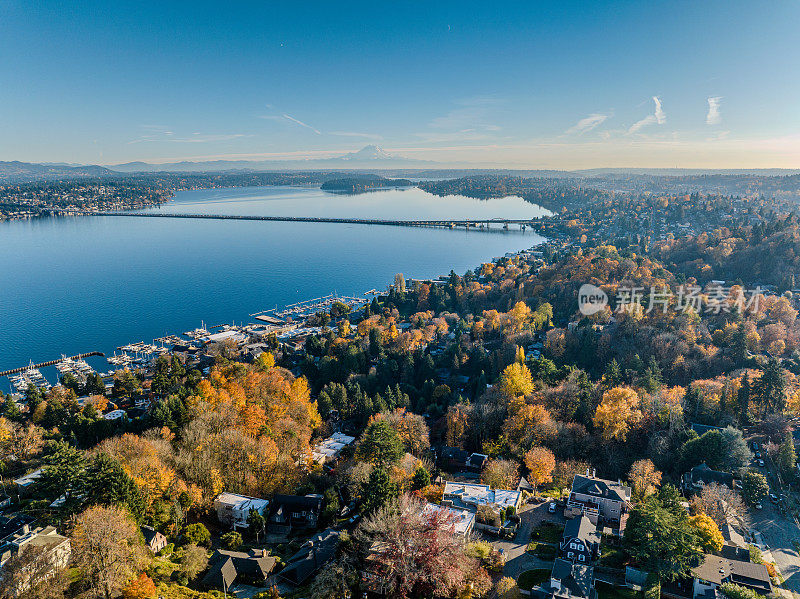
(644, 478)
(617, 413)
(541, 462)
(516, 380)
(711, 539)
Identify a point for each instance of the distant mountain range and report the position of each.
(15, 170)
(367, 157)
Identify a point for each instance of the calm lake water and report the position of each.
(77, 284)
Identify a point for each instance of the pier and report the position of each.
(477, 224)
(51, 363)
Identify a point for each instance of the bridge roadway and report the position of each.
(476, 223)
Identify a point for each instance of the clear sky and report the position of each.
(536, 84)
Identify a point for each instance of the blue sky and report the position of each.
(533, 84)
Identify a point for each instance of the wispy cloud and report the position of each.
(587, 124)
(658, 117)
(469, 113)
(714, 117)
(162, 134)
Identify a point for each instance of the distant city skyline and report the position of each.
(557, 85)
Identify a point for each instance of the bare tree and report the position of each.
(32, 574)
(413, 551)
(107, 546)
(721, 503)
(194, 560)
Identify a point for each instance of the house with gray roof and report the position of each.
(714, 571)
(567, 581)
(229, 567)
(312, 555)
(692, 482)
(602, 501)
(580, 542)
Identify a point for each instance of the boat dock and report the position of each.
(50, 363)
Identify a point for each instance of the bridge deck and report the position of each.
(318, 219)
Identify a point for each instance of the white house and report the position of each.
(473, 495)
(233, 510)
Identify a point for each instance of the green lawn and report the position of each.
(612, 557)
(531, 578)
(541, 550)
(547, 533)
(608, 591)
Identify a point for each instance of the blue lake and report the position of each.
(78, 284)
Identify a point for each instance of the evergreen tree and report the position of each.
(421, 479)
(787, 458)
(377, 491)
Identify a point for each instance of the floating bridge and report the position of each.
(449, 224)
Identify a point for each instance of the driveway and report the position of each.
(780, 534)
(517, 560)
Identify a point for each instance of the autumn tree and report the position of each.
(141, 587)
(720, 503)
(644, 478)
(617, 413)
(708, 533)
(540, 462)
(194, 560)
(516, 380)
(107, 547)
(416, 553)
(30, 575)
(501, 474)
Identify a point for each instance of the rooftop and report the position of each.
(473, 494)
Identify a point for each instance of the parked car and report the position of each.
(552, 507)
(760, 463)
(759, 506)
(773, 498)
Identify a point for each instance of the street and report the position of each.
(780, 534)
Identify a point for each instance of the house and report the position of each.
(463, 520)
(14, 524)
(115, 415)
(294, 511)
(581, 541)
(472, 495)
(329, 449)
(57, 547)
(715, 571)
(233, 510)
(229, 567)
(568, 581)
(455, 459)
(312, 555)
(692, 482)
(701, 429)
(598, 499)
(24, 483)
(154, 540)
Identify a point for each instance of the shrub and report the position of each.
(232, 540)
(197, 534)
(734, 591)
